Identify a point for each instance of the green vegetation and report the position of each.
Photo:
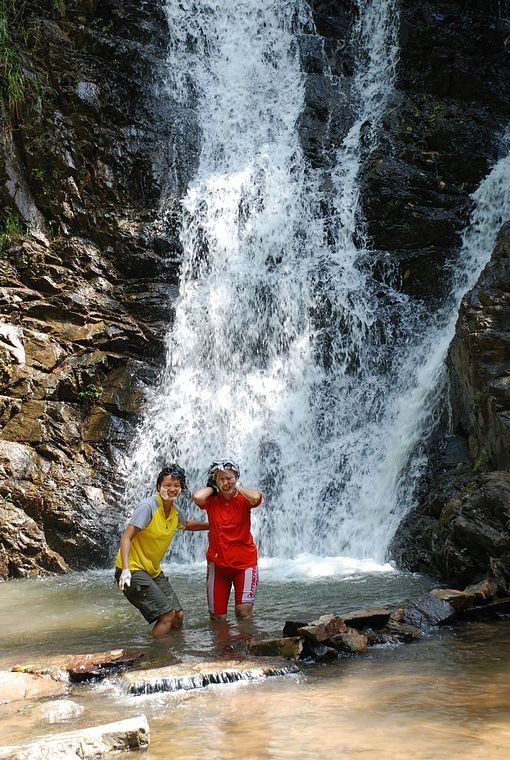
(482, 462)
(91, 392)
(60, 6)
(11, 229)
(12, 78)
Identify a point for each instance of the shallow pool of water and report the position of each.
(445, 696)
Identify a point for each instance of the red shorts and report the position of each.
(220, 581)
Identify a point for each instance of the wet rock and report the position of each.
(123, 735)
(291, 626)
(81, 667)
(478, 363)
(456, 599)
(24, 551)
(460, 531)
(194, 676)
(327, 60)
(350, 641)
(96, 286)
(470, 540)
(289, 647)
(416, 180)
(471, 596)
(94, 668)
(393, 633)
(318, 652)
(60, 710)
(496, 610)
(20, 686)
(428, 611)
(482, 591)
(370, 617)
(322, 629)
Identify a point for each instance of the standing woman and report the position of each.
(143, 545)
(232, 553)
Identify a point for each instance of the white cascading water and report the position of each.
(284, 354)
(411, 413)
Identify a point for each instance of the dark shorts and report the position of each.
(152, 596)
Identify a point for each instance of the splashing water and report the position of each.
(284, 353)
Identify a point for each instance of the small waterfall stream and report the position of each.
(286, 353)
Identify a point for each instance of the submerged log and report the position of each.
(95, 742)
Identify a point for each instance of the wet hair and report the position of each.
(174, 471)
(224, 465)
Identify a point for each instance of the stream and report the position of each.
(444, 696)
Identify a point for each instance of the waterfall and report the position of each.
(411, 413)
(285, 353)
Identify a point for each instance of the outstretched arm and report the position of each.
(196, 525)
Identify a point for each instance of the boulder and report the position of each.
(291, 627)
(428, 611)
(59, 710)
(457, 599)
(322, 629)
(393, 633)
(496, 610)
(82, 667)
(20, 686)
(318, 652)
(95, 742)
(350, 641)
(473, 595)
(289, 647)
(483, 591)
(370, 617)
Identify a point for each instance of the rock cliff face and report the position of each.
(461, 531)
(87, 298)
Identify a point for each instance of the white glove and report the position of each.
(125, 579)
